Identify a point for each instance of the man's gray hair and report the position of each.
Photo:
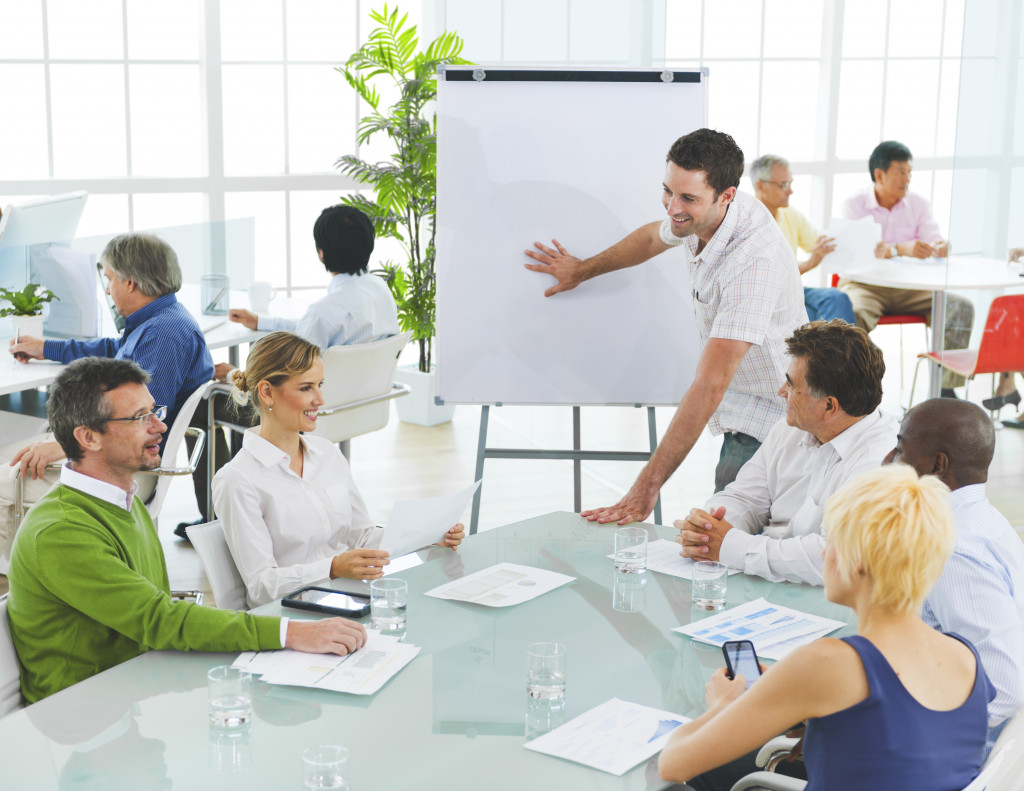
(761, 168)
(146, 260)
(78, 397)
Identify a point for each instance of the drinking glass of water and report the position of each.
(629, 591)
(230, 700)
(710, 580)
(388, 600)
(545, 671)
(630, 550)
(324, 766)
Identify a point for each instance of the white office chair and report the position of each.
(153, 484)
(358, 384)
(10, 673)
(1002, 771)
(225, 581)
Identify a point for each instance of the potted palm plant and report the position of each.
(26, 308)
(403, 206)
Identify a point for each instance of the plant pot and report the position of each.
(418, 407)
(31, 326)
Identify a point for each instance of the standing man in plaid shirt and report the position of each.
(747, 299)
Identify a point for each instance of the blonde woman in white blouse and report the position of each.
(291, 512)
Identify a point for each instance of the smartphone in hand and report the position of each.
(740, 658)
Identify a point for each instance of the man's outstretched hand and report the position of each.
(634, 507)
(565, 268)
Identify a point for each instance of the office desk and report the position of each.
(964, 273)
(452, 719)
(15, 376)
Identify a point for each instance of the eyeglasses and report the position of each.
(783, 185)
(159, 412)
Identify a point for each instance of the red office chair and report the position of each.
(898, 319)
(1001, 347)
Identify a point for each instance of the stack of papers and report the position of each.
(359, 673)
(502, 585)
(663, 556)
(774, 630)
(614, 737)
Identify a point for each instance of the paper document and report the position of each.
(360, 673)
(855, 244)
(502, 585)
(415, 524)
(761, 622)
(663, 556)
(614, 737)
(779, 650)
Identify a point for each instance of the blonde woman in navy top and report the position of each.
(899, 705)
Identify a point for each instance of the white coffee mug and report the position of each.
(260, 294)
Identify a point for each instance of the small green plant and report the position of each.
(27, 302)
(404, 205)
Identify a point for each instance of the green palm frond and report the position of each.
(404, 203)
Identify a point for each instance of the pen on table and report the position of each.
(215, 300)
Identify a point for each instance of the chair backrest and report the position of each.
(1005, 766)
(1002, 344)
(153, 487)
(353, 373)
(10, 673)
(225, 581)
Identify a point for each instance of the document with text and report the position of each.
(360, 673)
(613, 737)
(763, 623)
(501, 585)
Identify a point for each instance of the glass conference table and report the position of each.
(454, 718)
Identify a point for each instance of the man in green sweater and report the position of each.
(89, 585)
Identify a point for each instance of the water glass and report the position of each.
(543, 716)
(323, 767)
(388, 600)
(230, 749)
(630, 550)
(230, 699)
(710, 581)
(545, 671)
(629, 591)
(213, 293)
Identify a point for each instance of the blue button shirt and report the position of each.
(163, 339)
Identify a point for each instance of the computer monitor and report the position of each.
(43, 220)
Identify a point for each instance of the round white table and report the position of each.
(933, 274)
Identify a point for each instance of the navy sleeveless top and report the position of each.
(889, 740)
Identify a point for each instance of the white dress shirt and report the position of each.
(745, 287)
(357, 309)
(980, 595)
(283, 530)
(101, 490)
(778, 499)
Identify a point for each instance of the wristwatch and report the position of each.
(893, 252)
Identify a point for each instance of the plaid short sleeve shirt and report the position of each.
(746, 287)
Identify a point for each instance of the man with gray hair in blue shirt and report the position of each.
(980, 594)
(159, 334)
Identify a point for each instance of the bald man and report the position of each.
(980, 594)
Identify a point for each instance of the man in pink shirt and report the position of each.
(908, 229)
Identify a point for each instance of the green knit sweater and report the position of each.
(89, 590)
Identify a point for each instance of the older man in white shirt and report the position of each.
(768, 522)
